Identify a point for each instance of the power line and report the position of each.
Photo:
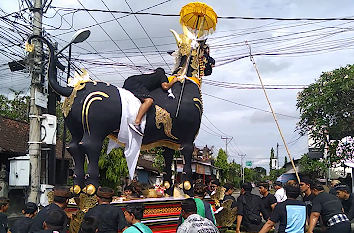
(222, 133)
(107, 33)
(247, 106)
(107, 21)
(131, 39)
(148, 36)
(219, 17)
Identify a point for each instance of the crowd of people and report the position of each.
(294, 207)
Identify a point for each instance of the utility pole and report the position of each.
(242, 168)
(34, 143)
(227, 141)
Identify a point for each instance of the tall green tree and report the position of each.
(222, 164)
(234, 174)
(327, 108)
(271, 159)
(251, 175)
(16, 108)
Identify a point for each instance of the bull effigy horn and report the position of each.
(187, 32)
(177, 37)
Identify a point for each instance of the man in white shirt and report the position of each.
(193, 222)
(280, 194)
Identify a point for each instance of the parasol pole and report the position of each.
(186, 66)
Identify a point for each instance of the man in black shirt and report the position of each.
(269, 200)
(249, 209)
(330, 209)
(141, 86)
(307, 195)
(110, 218)
(55, 222)
(61, 199)
(4, 206)
(23, 224)
(347, 200)
(291, 213)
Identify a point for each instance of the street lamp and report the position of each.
(78, 37)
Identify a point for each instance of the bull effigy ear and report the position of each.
(177, 37)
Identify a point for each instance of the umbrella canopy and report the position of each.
(199, 17)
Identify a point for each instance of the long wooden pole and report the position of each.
(274, 116)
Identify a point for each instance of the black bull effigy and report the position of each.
(90, 121)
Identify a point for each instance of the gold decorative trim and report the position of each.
(86, 106)
(164, 117)
(68, 102)
(87, 109)
(200, 111)
(160, 143)
(163, 210)
(199, 107)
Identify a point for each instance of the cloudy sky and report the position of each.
(289, 56)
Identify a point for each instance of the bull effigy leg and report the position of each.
(187, 169)
(167, 172)
(79, 158)
(92, 146)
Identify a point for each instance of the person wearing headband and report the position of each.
(62, 195)
(110, 218)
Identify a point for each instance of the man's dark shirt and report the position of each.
(308, 202)
(250, 203)
(327, 205)
(3, 223)
(142, 85)
(348, 206)
(292, 210)
(152, 82)
(229, 197)
(268, 201)
(22, 225)
(110, 218)
(37, 224)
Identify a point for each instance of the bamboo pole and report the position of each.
(274, 116)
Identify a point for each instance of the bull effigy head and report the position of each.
(184, 41)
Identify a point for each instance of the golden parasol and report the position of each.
(199, 17)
